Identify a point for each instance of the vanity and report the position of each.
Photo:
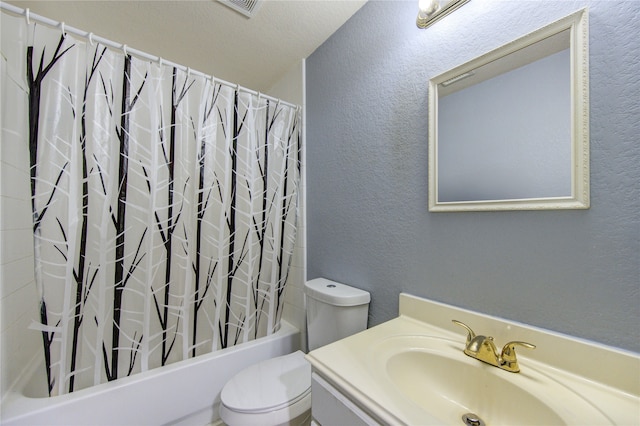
(413, 370)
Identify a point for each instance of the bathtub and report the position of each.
(184, 393)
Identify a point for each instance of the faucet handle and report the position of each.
(508, 356)
(470, 332)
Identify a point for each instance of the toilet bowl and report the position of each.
(278, 391)
(272, 392)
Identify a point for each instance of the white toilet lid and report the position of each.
(269, 385)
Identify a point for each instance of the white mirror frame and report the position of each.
(577, 24)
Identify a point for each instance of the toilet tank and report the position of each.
(334, 311)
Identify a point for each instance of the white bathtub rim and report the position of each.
(15, 405)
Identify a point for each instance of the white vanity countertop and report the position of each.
(608, 378)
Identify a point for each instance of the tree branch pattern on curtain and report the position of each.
(164, 205)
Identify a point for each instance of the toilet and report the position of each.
(277, 391)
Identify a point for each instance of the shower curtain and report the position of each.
(163, 202)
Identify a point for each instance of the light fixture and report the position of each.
(430, 11)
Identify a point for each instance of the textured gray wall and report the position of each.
(576, 272)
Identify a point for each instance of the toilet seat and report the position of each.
(277, 384)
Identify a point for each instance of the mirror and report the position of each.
(509, 130)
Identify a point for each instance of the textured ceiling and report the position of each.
(208, 36)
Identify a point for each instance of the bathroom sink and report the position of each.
(412, 370)
(434, 375)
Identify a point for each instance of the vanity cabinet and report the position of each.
(330, 407)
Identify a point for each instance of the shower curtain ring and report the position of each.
(124, 50)
(27, 14)
(90, 37)
(160, 61)
(188, 72)
(64, 33)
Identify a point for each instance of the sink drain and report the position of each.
(471, 419)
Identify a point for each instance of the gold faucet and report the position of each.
(484, 349)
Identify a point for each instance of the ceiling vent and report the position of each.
(247, 7)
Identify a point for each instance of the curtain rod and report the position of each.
(29, 16)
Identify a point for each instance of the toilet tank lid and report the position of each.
(335, 293)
